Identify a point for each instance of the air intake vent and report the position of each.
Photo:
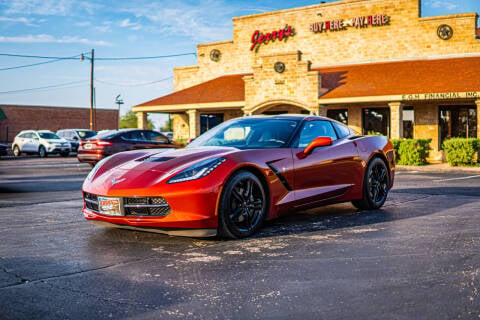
(158, 159)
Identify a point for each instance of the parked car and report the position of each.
(3, 150)
(105, 144)
(75, 136)
(168, 134)
(41, 142)
(235, 176)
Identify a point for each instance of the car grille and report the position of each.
(151, 207)
(91, 201)
(138, 207)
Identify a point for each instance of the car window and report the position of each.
(155, 136)
(133, 135)
(85, 134)
(48, 135)
(314, 129)
(24, 135)
(342, 130)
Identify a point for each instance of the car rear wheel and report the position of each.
(16, 151)
(243, 206)
(42, 152)
(375, 186)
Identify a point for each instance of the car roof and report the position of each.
(290, 116)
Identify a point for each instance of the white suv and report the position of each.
(41, 142)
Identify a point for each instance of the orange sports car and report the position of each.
(239, 174)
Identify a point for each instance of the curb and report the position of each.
(444, 167)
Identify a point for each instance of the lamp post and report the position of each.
(119, 102)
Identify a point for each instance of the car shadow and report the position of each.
(401, 204)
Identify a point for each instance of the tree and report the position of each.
(167, 125)
(129, 120)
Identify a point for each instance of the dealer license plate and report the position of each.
(109, 206)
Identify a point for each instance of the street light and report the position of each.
(118, 101)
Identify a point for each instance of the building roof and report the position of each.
(401, 77)
(223, 89)
(348, 81)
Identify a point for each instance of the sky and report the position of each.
(117, 28)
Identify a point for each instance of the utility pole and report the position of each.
(92, 118)
(119, 102)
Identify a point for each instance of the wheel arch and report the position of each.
(263, 179)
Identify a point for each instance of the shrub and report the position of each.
(412, 152)
(461, 151)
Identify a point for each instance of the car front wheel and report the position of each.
(42, 152)
(243, 206)
(375, 186)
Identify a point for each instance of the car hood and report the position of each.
(55, 140)
(171, 160)
(148, 167)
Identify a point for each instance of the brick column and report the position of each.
(321, 111)
(142, 120)
(396, 120)
(192, 123)
(477, 102)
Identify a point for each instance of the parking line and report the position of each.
(461, 178)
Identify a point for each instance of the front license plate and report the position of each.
(87, 146)
(109, 206)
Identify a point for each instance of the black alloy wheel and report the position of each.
(375, 186)
(42, 152)
(243, 206)
(16, 151)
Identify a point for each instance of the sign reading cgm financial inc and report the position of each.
(357, 22)
(441, 96)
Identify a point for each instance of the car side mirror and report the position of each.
(315, 143)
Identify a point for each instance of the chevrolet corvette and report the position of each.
(242, 172)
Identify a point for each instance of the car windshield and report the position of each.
(107, 134)
(249, 133)
(48, 135)
(84, 134)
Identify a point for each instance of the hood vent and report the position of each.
(157, 159)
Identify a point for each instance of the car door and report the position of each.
(327, 172)
(28, 143)
(132, 140)
(155, 139)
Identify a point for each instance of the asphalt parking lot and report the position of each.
(416, 258)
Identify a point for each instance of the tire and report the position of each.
(243, 206)
(375, 186)
(16, 151)
(42, 152)
(65, 154)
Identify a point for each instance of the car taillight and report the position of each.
(103, 143)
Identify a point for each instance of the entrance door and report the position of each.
(208, 121)
(376, 121)
(457, 121)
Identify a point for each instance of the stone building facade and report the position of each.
(377, 65)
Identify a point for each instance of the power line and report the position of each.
(133, 85)
(149, 58)
(39, 63)
(44, 87)
(98, 58)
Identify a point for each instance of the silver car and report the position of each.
(41, 142)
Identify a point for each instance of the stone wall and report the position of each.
(406, 36)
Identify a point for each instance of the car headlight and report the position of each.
(92, 172)
(198, 170)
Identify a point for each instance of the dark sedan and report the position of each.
(105, 144)
(3, 150)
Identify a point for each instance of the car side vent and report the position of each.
(158, 159)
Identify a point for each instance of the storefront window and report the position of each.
(408, 119)
(341, 115)
(376, 121)
(208, 121)
(457, 121)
